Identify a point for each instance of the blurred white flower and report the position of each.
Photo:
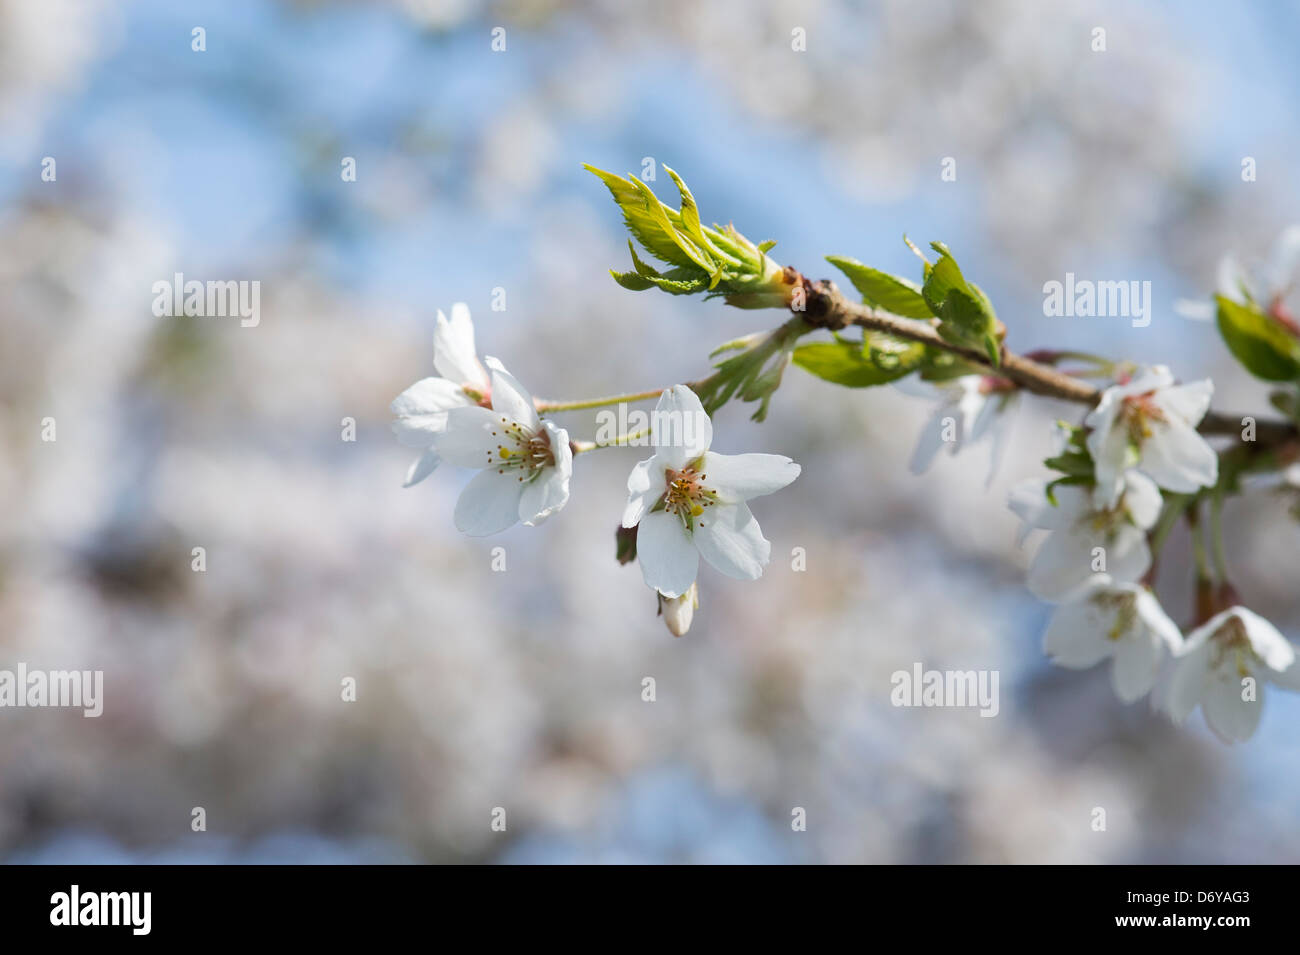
(689, 501)
(970, 408)
(1272, 286)
(526, 462)
(421, 409)
(1215, 664)
(1086, 540)
(1122, 621)
(1150, 423)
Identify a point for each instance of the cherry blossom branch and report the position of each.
(827, 307)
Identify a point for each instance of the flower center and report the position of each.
(1124, 606)
(1137, 413)
(1232, 647)
(686, 496)
(522, 450)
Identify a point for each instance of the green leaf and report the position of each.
(1073, 463)
(640, 220)
(1261, 343)
(965, 313)
(883, 290)
(964, 320)
(844, 364)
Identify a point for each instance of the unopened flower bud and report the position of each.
(679, 611)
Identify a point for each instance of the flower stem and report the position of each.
(544, 405)
(1198, 542)
(622, 441)
(1216, 536)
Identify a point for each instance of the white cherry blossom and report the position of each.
(461, 382)
(1215, 665)
(526, 462)
(1120, 621)
(970, 408)
(1150, 423)
(1069, 557)
(688, 501)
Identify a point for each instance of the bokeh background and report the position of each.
(523, 689)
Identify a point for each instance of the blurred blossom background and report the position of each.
(523, 689)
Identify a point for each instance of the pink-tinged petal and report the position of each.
(473, 437)
(1189, 402)
(1178, 459)
(669, 561)
(549, 491)
(739, 477)
(729, 538)
(421, 468)
(489, 504)
(680, 429)
(645, 485)
(453, 349)
(1232, 718)
(513, 400)
(1076, 637)
(1137, 661)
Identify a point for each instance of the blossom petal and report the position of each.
(472, 437)
(730, 539)
(1137, 661)
(421, 410)
(680, 428)
(512, 399)
(1142, 499)
(1265, 639)
(669, 561)
(453, 349)
(645, 485)
(489, 503)
(1189, 401)
(1154, 618)
(1283, 259)
(1076, 637)
(1108, 445)
(931, 441)
(1231, 717)
(549, 491)
(739, 477)
(421, 468)
(1128, 555)
(1188, 681)
(1178, 458)
(1028, 501)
